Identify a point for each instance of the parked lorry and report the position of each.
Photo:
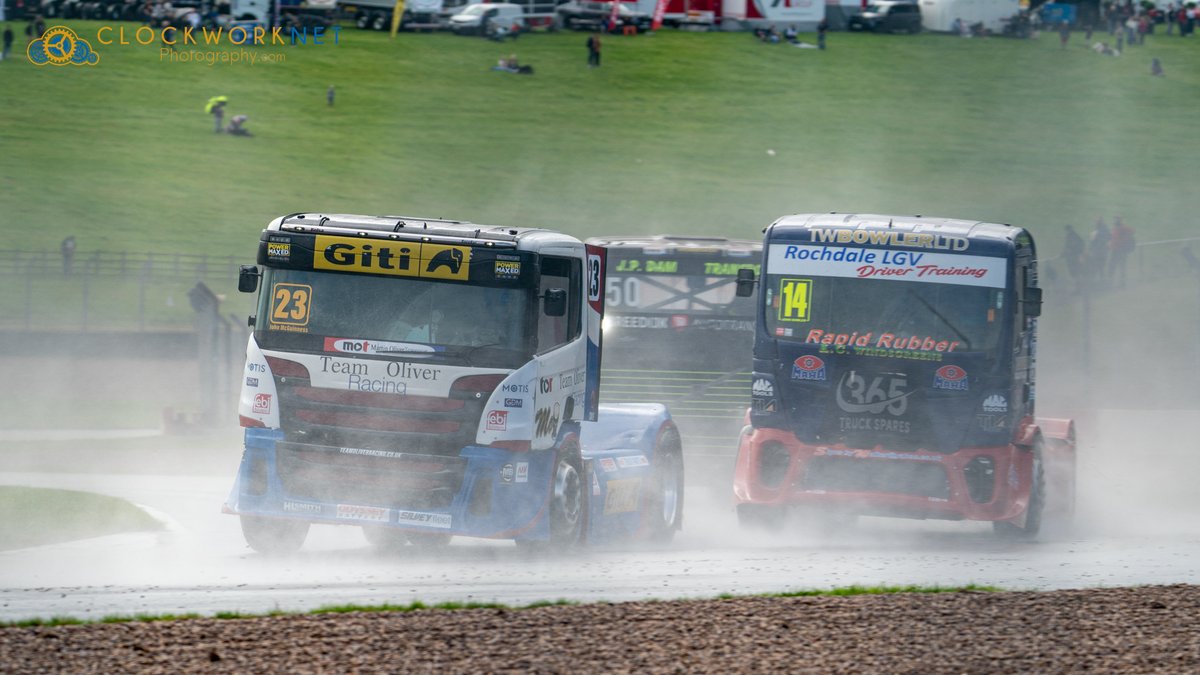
(427, 378)
(377, 14)
(894, 376)
(676, 332)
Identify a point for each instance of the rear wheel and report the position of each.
(664, 501)
(1036, 508)
(274, 536)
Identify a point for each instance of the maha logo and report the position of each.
(60, 46)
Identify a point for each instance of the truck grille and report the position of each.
(399, 423)
(850, 474)
(371, 477)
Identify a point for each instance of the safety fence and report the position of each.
(143, 290)
(110, 290)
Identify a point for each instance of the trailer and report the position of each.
(945, 15)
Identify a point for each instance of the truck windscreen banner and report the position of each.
(889, 264)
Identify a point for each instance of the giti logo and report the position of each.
(397, 258)
(60, 46)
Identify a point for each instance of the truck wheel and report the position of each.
(761, 517)
(567, 501)
(1036, 508)
(274, 536)
(664, 501)
(362, 21)
(380, 22)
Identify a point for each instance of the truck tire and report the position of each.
(664, 499)
(380, 21)
(1036, 508)
(568, 500)
(274, 536)
(761, 517)
(362, 20)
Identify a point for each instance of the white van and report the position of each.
(474, 19)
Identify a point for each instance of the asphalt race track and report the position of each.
(1135, 526)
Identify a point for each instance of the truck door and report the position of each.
(561, 354)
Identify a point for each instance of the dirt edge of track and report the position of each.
(1144, 629)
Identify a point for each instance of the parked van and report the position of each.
(888, 16)
(474, 19)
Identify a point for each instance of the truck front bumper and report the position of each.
(482, 492)
(774, 468)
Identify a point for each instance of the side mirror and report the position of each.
(248, 277)
(745, 283)
(1033, 301)
(556, 302)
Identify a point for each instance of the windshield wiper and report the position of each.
(933, 310)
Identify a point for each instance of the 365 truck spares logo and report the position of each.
(60, 46)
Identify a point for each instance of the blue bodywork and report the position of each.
(503, 494)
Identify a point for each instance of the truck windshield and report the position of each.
(671, 293)
(885, 314)
(302, 309)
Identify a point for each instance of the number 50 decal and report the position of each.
(290, 303)
(795, 297)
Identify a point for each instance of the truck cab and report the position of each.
(426, 378)
(894, 375)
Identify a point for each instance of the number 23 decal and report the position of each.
(290, 303)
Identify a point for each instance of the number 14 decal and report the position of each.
(795, 296)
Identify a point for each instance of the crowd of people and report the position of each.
(1102, 260)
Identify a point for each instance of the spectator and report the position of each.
(8, 40)
(329, 95)
(168, 36)
(1073, 249)
(593, 47)
(1121, 245)
(822, 29)
(1171, 17)
(1064, 34)
(791, 34)
(216, 108)
(39, 26)
(1097, 253)
(68, 254)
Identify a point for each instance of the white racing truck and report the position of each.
(429, 378)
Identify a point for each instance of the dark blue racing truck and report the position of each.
(894, 375)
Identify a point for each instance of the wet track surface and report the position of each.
(200, 563)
